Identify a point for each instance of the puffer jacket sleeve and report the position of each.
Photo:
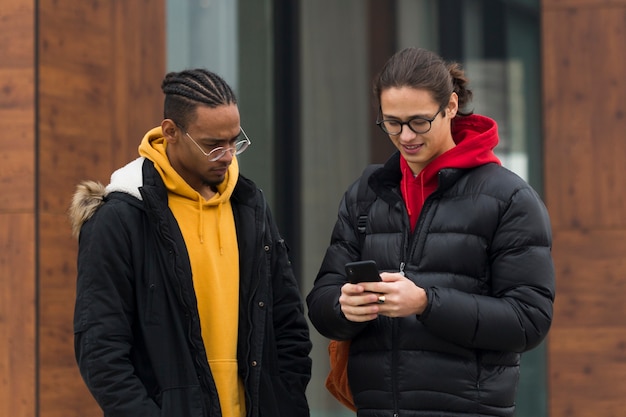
(517, 314)
(323, 300)
(103, 315)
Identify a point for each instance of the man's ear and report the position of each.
(453, 105)
(169, 129)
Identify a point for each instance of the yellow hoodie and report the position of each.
(208, 227)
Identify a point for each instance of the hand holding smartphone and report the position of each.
(362, 271)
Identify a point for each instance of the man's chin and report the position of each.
(214, 182)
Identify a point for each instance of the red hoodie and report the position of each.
(475, 137)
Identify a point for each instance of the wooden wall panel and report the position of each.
(62, 392)
(585, 115)
(17, 105)
(17, 215)
(76, 59)
(101, 66)
(591, 269)
(139, 39)
(585, 155)
(17, 314)
(75, 79)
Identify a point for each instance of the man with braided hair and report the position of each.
(186, 302)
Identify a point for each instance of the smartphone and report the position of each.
(362, 271)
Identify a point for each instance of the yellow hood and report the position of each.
(153, 146)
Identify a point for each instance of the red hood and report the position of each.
(475, 137)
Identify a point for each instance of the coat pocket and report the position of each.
(182, 402)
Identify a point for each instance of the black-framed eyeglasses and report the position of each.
(417, 124)
(215, 154)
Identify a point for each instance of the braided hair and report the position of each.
(187, 89)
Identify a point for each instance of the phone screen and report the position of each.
(362, 271)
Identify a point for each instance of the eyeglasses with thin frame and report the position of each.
(417, 124)
(217, 153)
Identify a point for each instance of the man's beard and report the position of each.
(212, 184)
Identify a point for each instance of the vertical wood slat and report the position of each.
(17, 210)
(101, 65)
(585, 151)
(17, 314)
(75, 107)
(17, 106)
(139, 50)
(585, 116)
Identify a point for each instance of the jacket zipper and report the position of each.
(410, 246)
(188, 314)
(394, 365)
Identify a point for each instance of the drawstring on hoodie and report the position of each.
(405, 186)
(219, 228)
(200, 221)
(422, 188)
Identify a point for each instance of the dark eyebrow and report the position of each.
(207, 141)
(414, 116)
(219, 140)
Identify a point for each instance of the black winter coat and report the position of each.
(481, 250)
(137, 332)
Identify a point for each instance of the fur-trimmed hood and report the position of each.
(90, 195)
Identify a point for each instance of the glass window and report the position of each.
(233, 39)
(203, 33)
(498, 43)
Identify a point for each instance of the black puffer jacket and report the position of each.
(481, 249)
(136, 323)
